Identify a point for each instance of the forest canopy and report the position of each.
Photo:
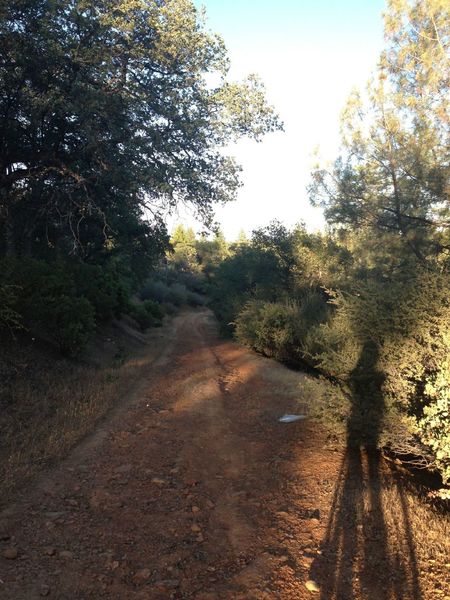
(107, 120)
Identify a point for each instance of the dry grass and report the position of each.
(386, 512)
(417, 531)
(48, 404)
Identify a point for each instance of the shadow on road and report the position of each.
(361, 558)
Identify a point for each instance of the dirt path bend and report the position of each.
(193, 489)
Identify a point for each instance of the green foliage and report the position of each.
(62, 301)
(184, 254)
(178, 294)
(194, 299)
(170, 308)
(143, 318)
(104, 288)
(9, 318)
(68, 320)
(174, 285)
(154, 290)
(211, 252)
(46, 300)
(154, 310)
(105, 110)
(251, 273)
(434, 426)
(329, 404)
(269, 328)
(282, 329)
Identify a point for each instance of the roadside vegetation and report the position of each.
(107, 124)
(367, 304)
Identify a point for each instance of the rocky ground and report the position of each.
(194, 489)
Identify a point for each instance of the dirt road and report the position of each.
(193, 489)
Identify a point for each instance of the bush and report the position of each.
(192, 281)
(104, 289)
(70, 322)
(169, 308)
(194, 299)
(9, 317)
(148, 314)
(434, 427)
(154, 309)
(155, 290)
(405, 379)
(269, 328)
(47, 301)
(138, 313)
(282, 329)
(177, 294)
(331, 346)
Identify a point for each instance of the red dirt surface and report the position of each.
(193, 489)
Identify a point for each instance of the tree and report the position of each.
(106, 117)
(242, 238)
(392, 176)
(388, 195)
(211, 252)
(184, 248)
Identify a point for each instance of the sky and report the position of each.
(310, 54)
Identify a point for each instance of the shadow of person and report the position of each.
(356, 560)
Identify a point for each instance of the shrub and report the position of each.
(330, 346)
(104, 289)
(194, 282)
(434, 426)
(70, 322)
(194, 299)
(282, 329)
(148, 314)
(177, 294)
(47, 301)
(138, 313)
(169, 308)
(9, 317)
(407, 377)
(155, 290)
(269, 328)
(154, 309)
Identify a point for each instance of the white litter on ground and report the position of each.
(291, 418)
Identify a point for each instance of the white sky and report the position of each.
(310, 54)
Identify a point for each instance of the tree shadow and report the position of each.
(358, 559)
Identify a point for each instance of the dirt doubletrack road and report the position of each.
(193, 489)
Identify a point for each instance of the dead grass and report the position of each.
(385, 510)
(422, 530)
(48, 404)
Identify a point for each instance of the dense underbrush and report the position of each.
(64, 303)
(383, 340)
(66, 330)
